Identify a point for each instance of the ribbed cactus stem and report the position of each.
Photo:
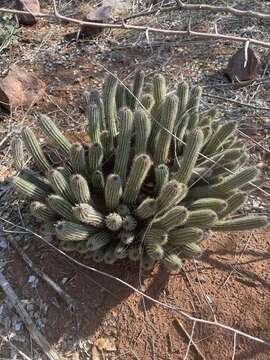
(81, 247)
(173, 218)
(106, 142)
(134, 252)
(68, 246)
(241, 224)
(155, 251)
(64, 170)
(121, 96)
(203, 218)
(180, 131)
(219, 137)
(182, 92)
(77, 158)
(139, 170)
(120, 250)
(109, 257)
(207, 118)
(129, 223)
(113, 191)
(114, 221)
(142, 127)
(161, 177)
(36, 179)
(190, 250)
(171, 194)
(146, 209)
(34, 149)
(193, 120)
(95, 157)
(123, 210)
(207, 133)
(54, 134)
(109, 93)
(127, 237)
(42, 212)
(98, 255)
(69, 231)
(17, 153)
(60, 185)
(194, 99)
(124, 143)
(94, 97)
(94, 122)
(147, 262)
(172, 262)
(88, 215)
(27, 188)
(98, 240)
(147, 102)
(233, 204)
(155, 235)
(159, 90)
(80, 189)
(190, 156)
(222, 158)
(61, 206)
(98, 181)
(137, 89)
(217, 205)
(186, 235)
(169, 110)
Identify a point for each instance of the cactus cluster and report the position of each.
(157, 176)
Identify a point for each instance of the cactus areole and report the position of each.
(156, 178)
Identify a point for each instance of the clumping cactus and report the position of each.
(156, 179)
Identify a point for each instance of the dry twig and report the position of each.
(34, 332)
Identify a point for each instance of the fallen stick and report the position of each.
(178, 324)
(71, 303)
(34, 332)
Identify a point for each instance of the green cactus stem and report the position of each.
(61, 206)
(94, 121)
(129, 223)
(190, 250)
(114, 221)
(137, 89)
(68, 246)
(109, 94)
(155, 251)
(36, 179)
(127, 237)
(65, 171)
(219, 137)
(98, 181)
(155, 235)
(172, 262)
(139, 170)
(181, 236)
(123, 210)
(98, 240)
(171, 194)
(180, 131)
(124, 143)
(222, 158)
(88, 215)
(95, 157)
(193, 120)
(34, 149)
(208, 117)
(161, 177)
(17, 153)
(77, 158)
(121, 96)
(173, 218)
(94, 97)
(60, 185)
(147, 102)
(98, 255)
(27, 188)
(106, 142)
(147, 262)
(183, 93)
(113, 191)
(241, 223)
(146, 209)
(159, 91)
(134, 252)
(194, 99)
(80, 189)
(42, 212)
(190, 156)
(203, 218)
(169, 111)
(54, 134)
(217, 205)
(69, 231)
(234, 203)
(142, 127)
(121, 250)
(110, 257)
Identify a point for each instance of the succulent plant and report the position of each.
(156, 177)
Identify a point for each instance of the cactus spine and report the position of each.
(54, 134)
(114, 221)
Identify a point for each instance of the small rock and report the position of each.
(106, 344)
(242, 70)
(20, 88)
(96, 15)
(30, 6)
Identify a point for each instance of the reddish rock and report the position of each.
(238, 71)
(98, 15)
(27, 5)
(20, 88)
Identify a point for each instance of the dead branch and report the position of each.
(203, 7)
(34, 332)
(146, 29)
(70, 302)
